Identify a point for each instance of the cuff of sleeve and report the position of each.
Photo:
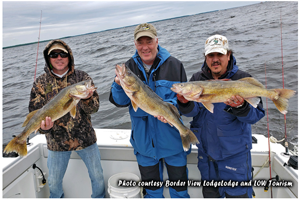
(116, 86)
(186, 108)
(44, 131)
(239, 111)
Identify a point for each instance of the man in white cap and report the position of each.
(152, 138)
(224, 135)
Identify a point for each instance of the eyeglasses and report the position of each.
(55, 55)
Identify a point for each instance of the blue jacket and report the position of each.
(149, 136)
(227, 131)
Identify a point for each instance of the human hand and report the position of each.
(89, 95)
(161, 118)
(117, 80)
(235, 101)
(181, 99)
(47, 124)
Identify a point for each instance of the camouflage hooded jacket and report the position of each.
(67, 133)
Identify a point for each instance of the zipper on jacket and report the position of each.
(154, 79)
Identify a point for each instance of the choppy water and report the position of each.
(253, 33)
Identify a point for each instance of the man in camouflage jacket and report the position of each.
(67, 134)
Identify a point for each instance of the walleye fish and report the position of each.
(145, 98)
(56, 108)
(215, 91)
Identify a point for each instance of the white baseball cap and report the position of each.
(216, 43)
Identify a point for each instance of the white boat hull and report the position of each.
(20, 180)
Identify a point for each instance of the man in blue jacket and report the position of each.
(152, 138)
(224, 135)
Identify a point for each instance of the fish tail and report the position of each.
(188, 138)
(16, 145)
(281, 101)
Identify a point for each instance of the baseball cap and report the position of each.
(144, 29)
(57, 46)
(216, 43)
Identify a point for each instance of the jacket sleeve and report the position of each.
(118, 96)
(181, 78)
(247, 113)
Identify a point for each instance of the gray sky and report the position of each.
(21, 19)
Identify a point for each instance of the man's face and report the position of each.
(147, 49)
(217, 62)
(60, 65)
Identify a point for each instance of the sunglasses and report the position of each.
(55, 55)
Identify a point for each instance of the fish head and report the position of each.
(182, 88)
(126, 76)
(83, 89)
(189, 90)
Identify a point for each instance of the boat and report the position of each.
(26, 177)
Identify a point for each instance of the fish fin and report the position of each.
(195, 97)
(73, 112)
(253, 81)
(253, 101)
(185, 143)
(68, 104)
(16, 145)
(282, 102)
(135, 107)
(187, 138)
(209, 106)
(28, 117)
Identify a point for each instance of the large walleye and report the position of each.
(214, 91)
(65, 101)
(146, 99)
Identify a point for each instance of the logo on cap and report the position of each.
(145, 27)
(216, 43)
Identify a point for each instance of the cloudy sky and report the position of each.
(21, 19)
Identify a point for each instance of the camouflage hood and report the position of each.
(46, 57)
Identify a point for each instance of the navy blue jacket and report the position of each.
(149, 136)
(227, 131)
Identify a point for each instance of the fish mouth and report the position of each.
(120, 71)
(82, 91)
(173, 89)
(89, 86)
(176, 88)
